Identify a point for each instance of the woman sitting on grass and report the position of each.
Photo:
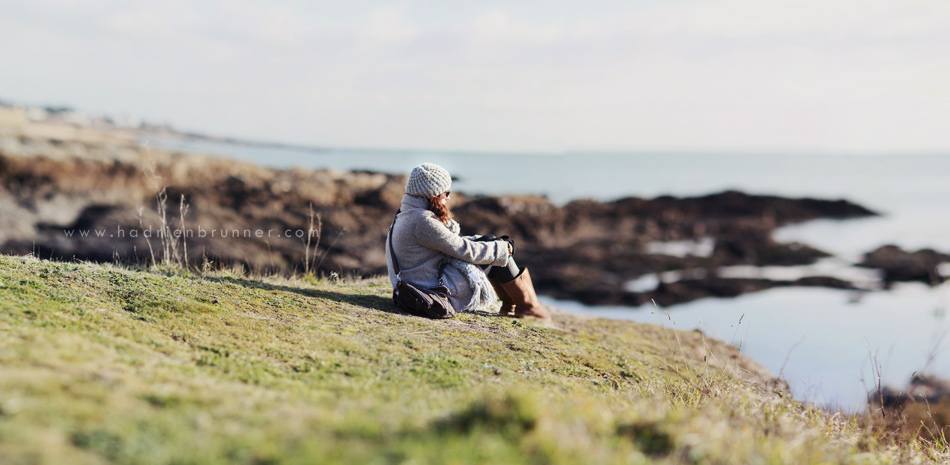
(476, 269)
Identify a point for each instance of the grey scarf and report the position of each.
(483, 295)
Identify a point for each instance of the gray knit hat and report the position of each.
(428, 180)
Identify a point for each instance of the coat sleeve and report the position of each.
(431, 233)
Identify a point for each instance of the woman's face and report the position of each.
(444, 197)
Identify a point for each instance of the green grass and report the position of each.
(102, 364)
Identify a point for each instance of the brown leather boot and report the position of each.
(507, 304)
(521, 292)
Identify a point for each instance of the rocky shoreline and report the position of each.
(588, 251)
(57, 184)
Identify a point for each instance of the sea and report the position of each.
(832, 346)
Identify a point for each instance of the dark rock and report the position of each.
(923, 388)
(668, 294)
(900, 265)
(822, 281)
(761, 251)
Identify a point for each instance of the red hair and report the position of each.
(440, 209)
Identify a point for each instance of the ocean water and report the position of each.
(823, 341)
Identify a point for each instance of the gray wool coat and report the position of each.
(419, 242)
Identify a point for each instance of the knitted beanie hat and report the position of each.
(428, 180)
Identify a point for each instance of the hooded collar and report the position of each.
(411, 201)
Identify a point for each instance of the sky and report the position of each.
(751, 76)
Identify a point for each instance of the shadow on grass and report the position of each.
(375, 302)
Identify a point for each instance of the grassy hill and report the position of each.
(103, 364)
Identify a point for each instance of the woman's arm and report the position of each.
(431, 233)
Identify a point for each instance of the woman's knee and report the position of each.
(505, 273)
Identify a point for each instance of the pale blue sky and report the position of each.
(720, 75)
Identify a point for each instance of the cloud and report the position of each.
(755, 18)
(496, 26)
(713, 74)
(389, 24)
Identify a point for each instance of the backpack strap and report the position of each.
(392, 253)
